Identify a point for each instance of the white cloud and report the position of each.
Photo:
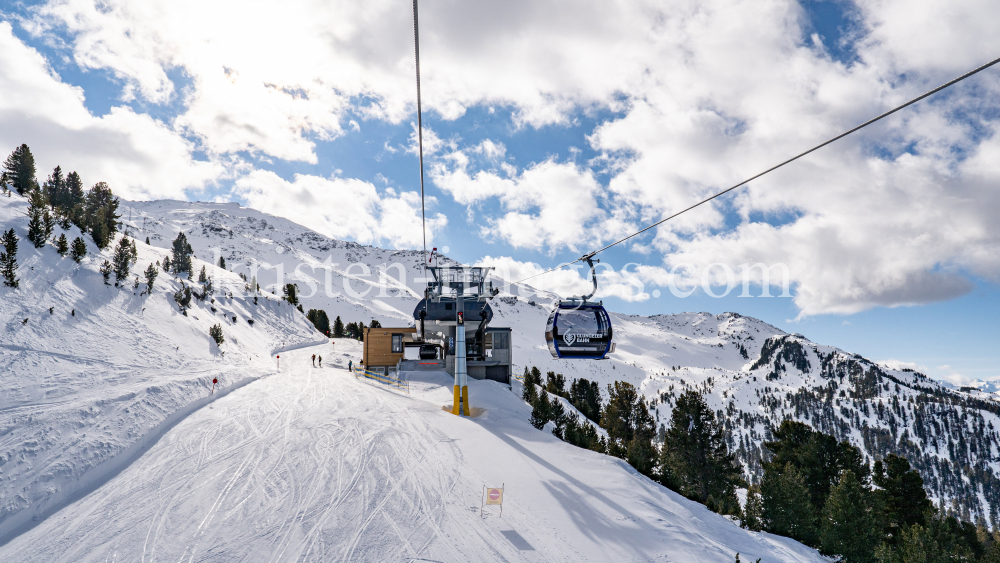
(548, 206)
(138, 156)
(709, 92)
(432, 143)
(571, 281)
(341, 208)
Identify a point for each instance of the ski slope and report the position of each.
(90, 373)
(312, 464)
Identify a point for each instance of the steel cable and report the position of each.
(773, 168)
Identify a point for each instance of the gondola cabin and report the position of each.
(578, 330)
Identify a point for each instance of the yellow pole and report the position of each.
(456, 410)
(465, 400)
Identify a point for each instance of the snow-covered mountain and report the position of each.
(107, 453)
(87, 387)
(756, 375)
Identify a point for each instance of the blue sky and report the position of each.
(625, 144)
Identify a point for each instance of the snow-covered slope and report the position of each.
(85, 393)
(346, 279)
(89, 372)
(951, 436)
(315, 465)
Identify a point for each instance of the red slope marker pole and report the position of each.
(214, 381)
(279, 362)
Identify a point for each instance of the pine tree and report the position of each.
(901, 491)
(216, 333)
(101, 208)
(182, 252)
(290, 293)
(851, 525)
(79, 250)
(20, 169)
(202, 276)
(133, 252)
(695, 459)
(122, 259)
(48, 223)
(914, 545)
(75, 209)
(586, 397)
(74, 190)
(338, 327)
(36, 221)
(147, 241)
(630, 427)
(65, 221)
(8, 259)
(151, 273)
(106, 270)
(99, 231)
(62, 245)
(166, 264)
(530, 391)
(583, 435)
(753, 512)
(183, 298)
(557, 414)
(818, 457)
(324, 322)
(785, 505)
(540, 410)
(222, 262)
(555, 384)
(55, 188)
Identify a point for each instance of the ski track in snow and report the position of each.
(314, 465)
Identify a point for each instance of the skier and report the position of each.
(350, 365)
(314, 360)
(321, 361)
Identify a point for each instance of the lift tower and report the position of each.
(456, 297)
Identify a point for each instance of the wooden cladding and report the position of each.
(378, 347)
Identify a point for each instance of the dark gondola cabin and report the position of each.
(579, 330)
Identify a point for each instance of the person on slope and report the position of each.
(314, 360)
(350, 365)
(321, 361)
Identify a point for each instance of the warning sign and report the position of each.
(494, 496)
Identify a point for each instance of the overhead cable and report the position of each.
(775, 167)
(420, 132)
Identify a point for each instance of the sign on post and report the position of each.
(492, 495)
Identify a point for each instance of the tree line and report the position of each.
(61, 200)
(338, 329)
(815, 489)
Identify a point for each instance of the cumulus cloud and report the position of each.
(138, 156)
(705, 92)
(548, 206)
(571, 281)
(341, 208)
(266, 75)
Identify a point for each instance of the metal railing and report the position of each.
(387, 380)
